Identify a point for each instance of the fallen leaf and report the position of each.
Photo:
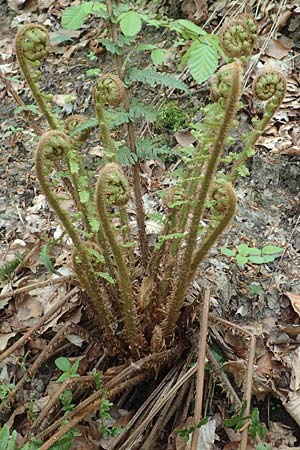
(295, 301)
(4, 338)
(185, 138)
(277, 49)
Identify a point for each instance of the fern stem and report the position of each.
(109, 177)
(233, 72)
(55, 145)
(132, 144)
(32, 45)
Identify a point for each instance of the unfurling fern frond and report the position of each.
(153, 77)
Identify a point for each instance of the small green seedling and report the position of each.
(5, 388)
(245, 254)
(256, 427)
(69, 370)
(185, 433)
(66, 401)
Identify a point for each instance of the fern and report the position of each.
(153, 77)
(116, 117)
(140, 109)
(150, 149)
(91, 123)
(146, 149)
(8, 268)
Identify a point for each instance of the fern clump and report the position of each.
(137, 290)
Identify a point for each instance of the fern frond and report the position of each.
(8, 268)
(141, 110)
(153, 77)
(148, 148)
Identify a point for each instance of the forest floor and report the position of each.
(264, 298)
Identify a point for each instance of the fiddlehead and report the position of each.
(237, 37)
(32, 46)
(108, 89)
(112, 188)
(71, 123)
(269, 86)
(229, 88)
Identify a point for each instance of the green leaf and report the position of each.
(131, 23)
(241, 260)
(158, 56)
(4, 436)
(256, 259)
(269, 258)
(63, 364)
(254, 251)
(243, 249)
(186, 25)
(271, 250)
(74, 16)
(32, 108)
(140, 109)
(46, 259)
(227, 251)
(145, 47)
(153, 77)
(202, 61)
(106, 277)
(84, 196)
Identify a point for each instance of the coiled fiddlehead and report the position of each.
(230, 78)
(237, 37)
(109, 89)
(32, 46)
(72, 122)
(269, 86)
(112, 187)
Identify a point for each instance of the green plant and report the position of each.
(69, 370)
(5, 388)
(256, 430)
(204, 48)
(186, 433)
(105, 251)
(136, 291)
(8, 268)
(245, 254)
(170, 116)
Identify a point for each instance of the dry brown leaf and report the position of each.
(295, 301)
(185, 138)
(295, 375)
(292, 405)
(264, 364)
(4, 338)
(277, 49)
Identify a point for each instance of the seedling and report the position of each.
(69, 370)
(245, 254)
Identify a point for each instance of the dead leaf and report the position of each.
(295, 301)
(185, 138)
(292, 405)
(278, 49)
(4, 338)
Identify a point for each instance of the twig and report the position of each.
(38, 285)
(35, 327)
(201, 369)
(249, 376)
(90, 409)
